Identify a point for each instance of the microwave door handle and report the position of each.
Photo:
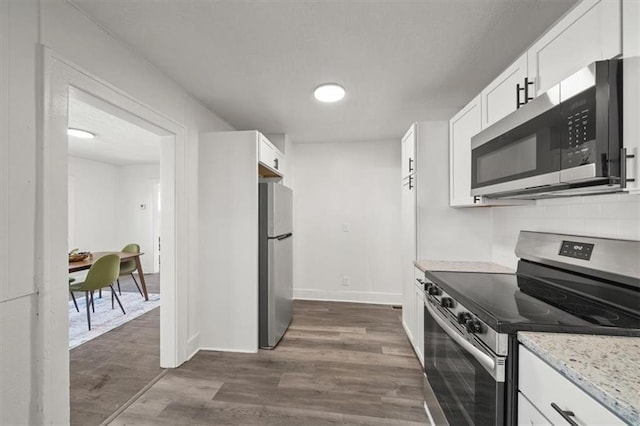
(485, 360)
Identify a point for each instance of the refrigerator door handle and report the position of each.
(282, 237)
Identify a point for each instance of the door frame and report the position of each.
(59, 78)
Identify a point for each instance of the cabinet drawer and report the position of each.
(528, 414)
(542, 385)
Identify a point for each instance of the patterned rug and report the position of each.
(105, 319)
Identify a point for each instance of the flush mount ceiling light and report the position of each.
(330, 92)
(82, 134)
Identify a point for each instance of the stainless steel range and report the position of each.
(564, 283)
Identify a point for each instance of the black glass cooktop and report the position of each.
(513, 302)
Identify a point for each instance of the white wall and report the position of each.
(61, 27)
(356, 185)
(95, 200)
(609, 215)
(135, 224)
(445, 233)
(20, 354)
(105, 207)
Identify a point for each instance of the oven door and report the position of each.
(468, 381)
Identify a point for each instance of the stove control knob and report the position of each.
(446, 302)
(463, 317)
(473, 326)
(433, 290)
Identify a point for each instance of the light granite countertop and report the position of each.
(459, 266)
(605, 367)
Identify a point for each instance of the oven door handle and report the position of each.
(485, 360)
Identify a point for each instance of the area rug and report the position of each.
(105, 318)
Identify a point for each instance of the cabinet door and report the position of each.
(408, 253)
(270, 159)
(278, 161)
(462, 127)
(631, 98)
(266, 153)
(409, 152)
(589, 32)
(418, 335)
(501, 96)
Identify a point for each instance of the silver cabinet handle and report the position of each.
(485, 360)
(623, 168)
(566, 414)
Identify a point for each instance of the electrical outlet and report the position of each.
(345, 227)
(346, 280)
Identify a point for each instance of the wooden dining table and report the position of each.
(86, 264)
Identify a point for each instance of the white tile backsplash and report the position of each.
(621, 210)
(585, 210)
(609, 215)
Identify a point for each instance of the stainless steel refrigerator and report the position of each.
(275, 262)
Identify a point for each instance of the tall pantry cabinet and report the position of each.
(409, 230)
(431, 229)
(230, 165)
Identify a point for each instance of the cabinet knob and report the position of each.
(433, 290)
(446, 302)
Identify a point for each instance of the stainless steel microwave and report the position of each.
(568, 139)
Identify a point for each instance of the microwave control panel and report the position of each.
(579, 145)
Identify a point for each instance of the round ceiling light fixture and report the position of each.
(329, 92)
(79, 133)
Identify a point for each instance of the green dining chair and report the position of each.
(129, 267)
(102, 273)
(71, 279)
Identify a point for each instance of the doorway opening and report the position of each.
(63, 83)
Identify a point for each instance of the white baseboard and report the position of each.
(241, 351)
(406, 330)
(349, 296)
(193, 345)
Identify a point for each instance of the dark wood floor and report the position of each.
(109, 370)
(339, 363)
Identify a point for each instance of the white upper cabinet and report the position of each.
(270, 159)
(591, 31)
(462, 127)
(631, 98)
(409, 152)
(501, 97)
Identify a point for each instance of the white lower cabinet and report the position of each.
(413, 313)
(555, 397)
(418, 317)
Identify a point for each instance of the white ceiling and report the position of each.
(257, 62)
(117, 141)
